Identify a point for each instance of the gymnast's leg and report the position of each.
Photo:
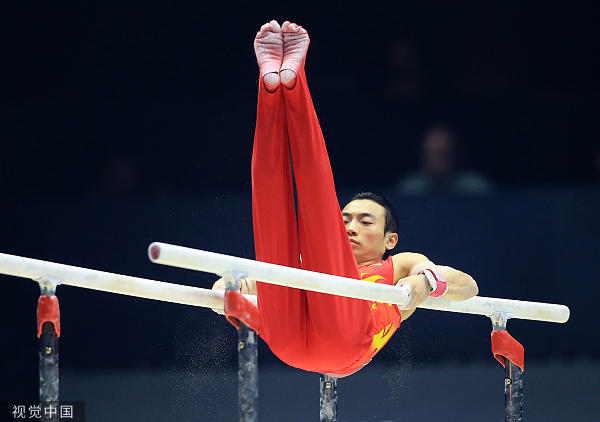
(339, 329)
(282, 309)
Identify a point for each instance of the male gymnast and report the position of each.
(314, 331)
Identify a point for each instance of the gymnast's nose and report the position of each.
(351, 229)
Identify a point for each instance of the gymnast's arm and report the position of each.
(407, 266)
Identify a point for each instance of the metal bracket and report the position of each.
(499, 320)
(48, 284)
(232, 279)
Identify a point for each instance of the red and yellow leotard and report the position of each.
(386, 317)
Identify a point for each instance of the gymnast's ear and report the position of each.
(391, 239)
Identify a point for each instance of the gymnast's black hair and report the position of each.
(391, 219)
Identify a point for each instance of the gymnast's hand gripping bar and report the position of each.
(219, 264)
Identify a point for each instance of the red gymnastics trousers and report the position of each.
(308, 330)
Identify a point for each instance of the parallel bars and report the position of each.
(49, 275)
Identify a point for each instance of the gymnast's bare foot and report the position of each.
(268, 46)
(295, 46)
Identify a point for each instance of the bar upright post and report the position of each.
(248, 373)
(329, 396)
(244, 316)
(513, 393)
(511, 354)
(48, 327)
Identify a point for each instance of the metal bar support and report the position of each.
(48, 327)
(511, 354)
(244, 315)
(513, 393)
(329, 396)
(248, 373)
(48, 358)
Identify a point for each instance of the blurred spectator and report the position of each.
(441, 171)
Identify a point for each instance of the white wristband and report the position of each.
(437, 281)
(421, 266)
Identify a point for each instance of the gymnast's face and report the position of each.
(365, 224)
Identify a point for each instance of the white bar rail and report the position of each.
(114, 283)
(194, 259)
(220, 264)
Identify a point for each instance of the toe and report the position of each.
(292, 27)
(261, 32)
(274, 26)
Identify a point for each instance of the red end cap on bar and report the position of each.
(239, 309)
(48, 311)
(505, 347)
(155, 251)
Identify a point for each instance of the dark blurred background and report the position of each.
(123, 123)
